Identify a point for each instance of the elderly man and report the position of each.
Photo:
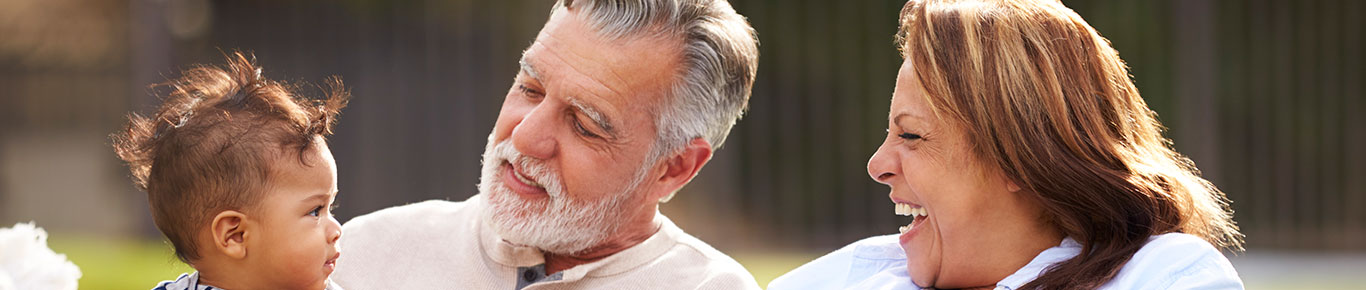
(617, 106)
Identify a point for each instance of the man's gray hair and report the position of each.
(719, 58)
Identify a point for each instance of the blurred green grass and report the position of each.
(118, 263)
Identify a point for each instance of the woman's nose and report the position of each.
(882, 167)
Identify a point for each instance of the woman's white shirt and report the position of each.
(1168, 261)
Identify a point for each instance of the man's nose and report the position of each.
(883, 166)
(535, 135)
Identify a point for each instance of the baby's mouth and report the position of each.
(331, 263)
(916, 212)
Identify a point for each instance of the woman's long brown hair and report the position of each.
(1046, 98)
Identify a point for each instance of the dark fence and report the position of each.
(1266, 96)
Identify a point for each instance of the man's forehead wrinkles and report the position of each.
(613, 69)
(567, 67)
(597, 65)
(600, 69)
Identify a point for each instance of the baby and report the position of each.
(240, 178)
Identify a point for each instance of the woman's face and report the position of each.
(972, 226)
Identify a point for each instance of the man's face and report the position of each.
(565, 165)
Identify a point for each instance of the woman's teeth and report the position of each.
(906, 209)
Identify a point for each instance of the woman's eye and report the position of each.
(316, 211)
(906, 136)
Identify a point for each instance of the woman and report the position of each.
(1028, 160)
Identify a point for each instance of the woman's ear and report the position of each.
(1000, 174)
(229, 230)
(1011, 186)
(680, 168)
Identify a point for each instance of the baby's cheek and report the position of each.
(305, 265)
(305, 276)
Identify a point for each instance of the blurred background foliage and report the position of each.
(1265, 96)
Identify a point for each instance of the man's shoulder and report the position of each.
(407, 244)
(421, 208)
(695, 246)
(687, 244)
(413, 214)
(721, 271)
(427, 220)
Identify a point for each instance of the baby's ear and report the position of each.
(229, 231)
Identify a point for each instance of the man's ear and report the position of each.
(229, 231)
(680, 168)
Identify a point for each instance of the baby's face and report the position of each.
(295, 246)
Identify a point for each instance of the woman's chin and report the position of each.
(922, 265)
(919, 272)
(922, 281)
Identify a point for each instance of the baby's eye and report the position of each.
(316, 211)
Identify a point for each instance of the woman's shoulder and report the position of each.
(849, 265)
(1177, 261)
(1176, 242)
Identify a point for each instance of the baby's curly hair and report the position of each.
(211, 143)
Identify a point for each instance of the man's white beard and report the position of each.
(561, 225)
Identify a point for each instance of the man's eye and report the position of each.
(316, 211)
(530, 92)
(581, 130)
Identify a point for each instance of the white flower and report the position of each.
(27, 263)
